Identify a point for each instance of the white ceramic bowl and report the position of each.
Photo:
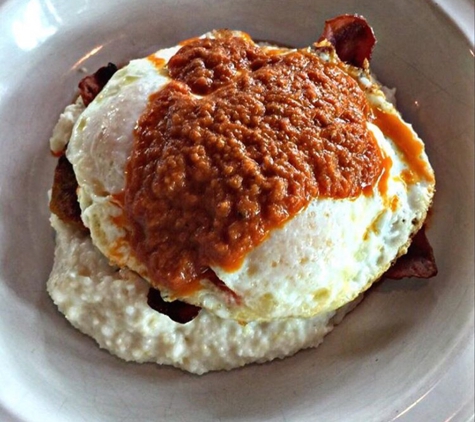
(406, 353)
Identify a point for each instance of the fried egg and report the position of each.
(319, 260)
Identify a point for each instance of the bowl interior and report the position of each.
(385, 356)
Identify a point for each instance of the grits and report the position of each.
(321, 259)
(110, 305)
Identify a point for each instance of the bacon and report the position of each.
(177, 310)
(418, 262)
(64, 200)
(91, 85)
(352, 38)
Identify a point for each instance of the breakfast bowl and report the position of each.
(405, 353)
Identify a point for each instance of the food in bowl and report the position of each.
(259, 190)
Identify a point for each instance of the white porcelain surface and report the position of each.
(405, 354)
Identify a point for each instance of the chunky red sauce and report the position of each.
(206, 64)
(209, 177)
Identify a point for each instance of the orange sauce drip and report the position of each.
(386, 164)
(158, 62)
(408, 177)
(394, 203)
(394, 128)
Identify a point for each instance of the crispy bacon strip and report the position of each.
(177, 310)
(64, 200)
(418, 262)
(352, 38)
(91, 85)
